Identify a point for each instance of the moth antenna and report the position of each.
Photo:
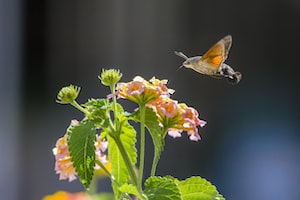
(180, 54)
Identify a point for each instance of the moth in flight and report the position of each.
(212, 62)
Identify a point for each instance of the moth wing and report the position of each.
(227, 41)
(218, 53)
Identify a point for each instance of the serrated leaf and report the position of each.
(128, 137)
(98, 109)
(197, 188)
(81, 142)
(155, 131)
(161, 188)
(131, 189)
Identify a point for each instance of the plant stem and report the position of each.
(110, 176)
(79, 107)
(106, 170)
(142, 146)
(126, 159)
(112, 89)
(118, 141)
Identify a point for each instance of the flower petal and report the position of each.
(174, 133)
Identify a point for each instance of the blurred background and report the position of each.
(250, 146)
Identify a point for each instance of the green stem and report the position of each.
(118, 141)
(106, 171)
(112, 89)
(142, 146)
(110, 175)
(126, 159)
(79, 107)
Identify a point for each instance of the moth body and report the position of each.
(200, 67)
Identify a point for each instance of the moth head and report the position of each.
(191, 62)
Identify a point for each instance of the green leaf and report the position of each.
(128, 137)
(98, 109)
(81, 142)
(155, 131)
(197, 188)
(161, 188)
(131, 189)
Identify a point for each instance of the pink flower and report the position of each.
(161, 86)
(135, 88)
(141, 91)
(101, 147)
(177, 117)
(167, 107)
(174, 132)
(191, 121)
(63, 165)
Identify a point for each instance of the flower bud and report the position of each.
(110, 77)
(68, 94)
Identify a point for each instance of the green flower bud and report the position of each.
(68, 94)
(110, 77)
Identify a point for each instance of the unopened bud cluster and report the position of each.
(68, 94)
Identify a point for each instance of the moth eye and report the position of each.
(187, 62)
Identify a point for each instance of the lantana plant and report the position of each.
(104, 142)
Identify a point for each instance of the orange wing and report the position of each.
(218, 53)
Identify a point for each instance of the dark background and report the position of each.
(250, 146)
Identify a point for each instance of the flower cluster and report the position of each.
(177, 117)
(174, 117)
(141, 91)
(64, 165)
(110, 77)
(68, 94)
